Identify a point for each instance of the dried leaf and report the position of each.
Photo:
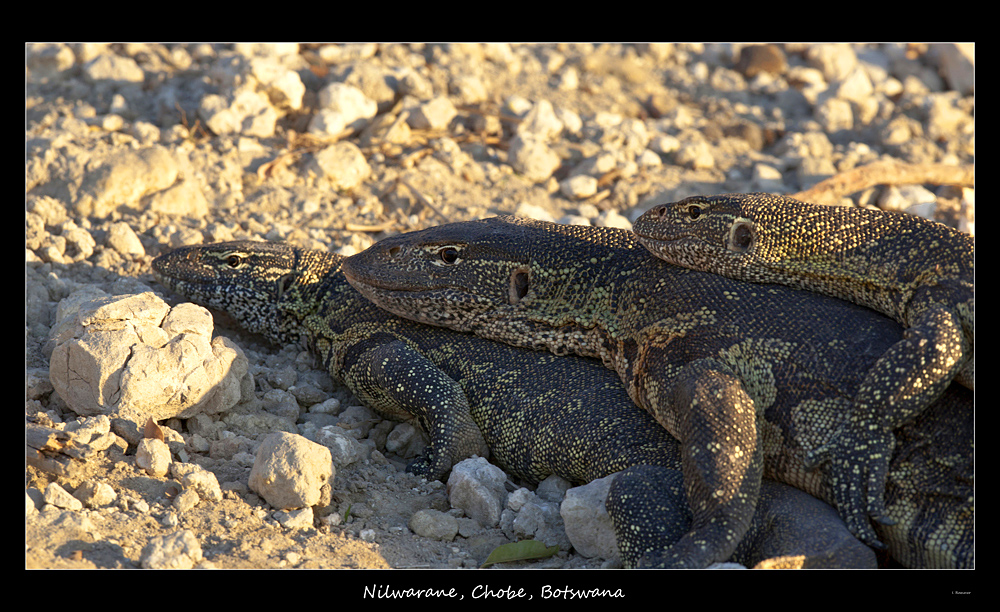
(153, 430)
(520, 551)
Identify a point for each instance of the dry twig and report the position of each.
(834, 188)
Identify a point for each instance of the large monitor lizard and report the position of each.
(749, 377)
(538, 414)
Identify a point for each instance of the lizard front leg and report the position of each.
(394, 378)
(722, 462)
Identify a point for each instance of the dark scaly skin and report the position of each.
(748, 377)
(582, 428)
(920, 273)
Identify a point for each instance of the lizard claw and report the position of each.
(424, 465)
(856, 463)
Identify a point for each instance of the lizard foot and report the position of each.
(856, 463)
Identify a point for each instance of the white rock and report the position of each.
(835, 61)
(48, 61)
(122, 238)
(856, 87)
(767, 178)
(541, 122)
(112, 67)
(533, 212)
(205, 484)
(284, 87)
(835, 114)
(695, 154)
(111, 356)
(578, 187)
(60, 498)
(434, 114)
(95, 494)
(153, 455)
(648, 159)
(245, 111)
(434, 524)
(290, 471)
(342, 164)
(612, 218)
(532, 158)
(354, 108)
(178, 550)
(124, 179)
(588, 524)
(186, 500)
(301, 518)
(477, 487)
(664, 143)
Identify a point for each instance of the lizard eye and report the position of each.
(694, 211)
(448, 255)
(234, 261)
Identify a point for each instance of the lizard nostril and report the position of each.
(394, 251)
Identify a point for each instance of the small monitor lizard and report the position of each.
(918, 272)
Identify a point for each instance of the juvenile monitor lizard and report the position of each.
(749, 377)
(534, 413)
(918, 272)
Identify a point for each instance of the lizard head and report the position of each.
(701, 228)
(445, 275)
(266, 287)
(496, 277)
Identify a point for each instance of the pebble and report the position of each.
(301, 518)
(124, 179)
(205, 484)
(342, 165)
(540, 122)
(178, 550)
(834, 61)
(122, 238)
(342, 105)
(755, 59)
(113, 68)
(532, 158)
(433, 114)
(434, 524)
(477, 487)
(290, 471)
(95, 494)
(186, 500)
(578, 187)
(588, 524)
(153, 456)
(528, 517)
(60, 498)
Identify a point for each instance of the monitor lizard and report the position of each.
(918, 272)
(750, 378)
(533, 413)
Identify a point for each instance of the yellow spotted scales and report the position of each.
(749, 378)
(533, 413)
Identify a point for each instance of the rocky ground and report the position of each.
(134, 149)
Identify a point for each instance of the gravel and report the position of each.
(133, 149)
